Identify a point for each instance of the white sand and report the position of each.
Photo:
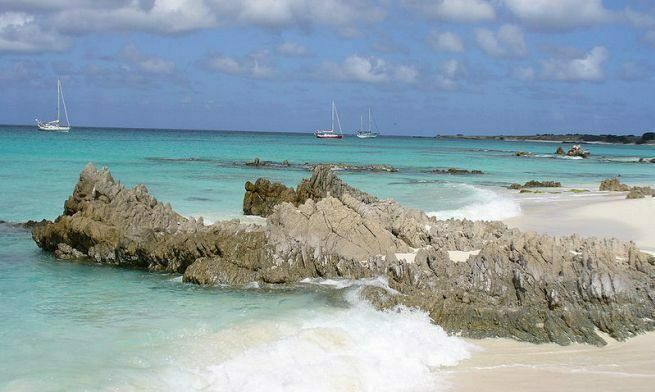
(506, 365)
(459, 256)
(597, 215)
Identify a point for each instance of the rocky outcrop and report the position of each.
(525, 286)
(536, 184)
(613, 185)
(262, 196)
(559, 151)
(635, 192)
(640, 192)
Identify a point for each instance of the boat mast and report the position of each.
(332, 116)
(58, 94)
(369, 120)
(63, 101)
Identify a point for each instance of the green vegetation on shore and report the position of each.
(646, 138)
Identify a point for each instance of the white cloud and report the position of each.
(450, 70)
(638, 19)
(20, 32)
(149, 64)
(559, 14)
(253, 66)
(508, 41)
(370, 69)
(588, 68)
(445, 42)
(454, 10)
(525, 73)
(177, 16)
(292, 49)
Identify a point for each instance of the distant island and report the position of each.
(646, 138)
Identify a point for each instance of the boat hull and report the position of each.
(329, 136)
(52, 128)
(367, 136)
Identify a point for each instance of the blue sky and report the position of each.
(424, 67)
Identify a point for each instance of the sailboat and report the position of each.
(56, 125)
(331, 133)
(367, 134)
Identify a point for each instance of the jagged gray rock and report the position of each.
(525, 286)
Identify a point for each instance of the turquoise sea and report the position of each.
(75, 326)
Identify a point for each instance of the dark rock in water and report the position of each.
(536, 184)
(560, 151)
(256, 162)
(523, 154)
(613, 185)
(456, 171)
(525, 286)
(358, 168)
(577, 151)
(262, 196)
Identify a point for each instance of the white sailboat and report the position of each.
(56, 125)
(367, 134)
(331, 133)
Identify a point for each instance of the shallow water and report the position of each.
(83, 326)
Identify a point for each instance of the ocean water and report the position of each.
(77, 326)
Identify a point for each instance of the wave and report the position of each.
(483, 205)
(356, 348)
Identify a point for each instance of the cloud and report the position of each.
(635, 71)
(292, 49)
(559, 14)
(179, 16)
(20, 32)
(638, 19)
(253, 66)
(454, 10)
(370, 69)
(450, 70)
(149, 64)
(445, 42)
(525, 74)
(649, 38)
(507, 42)
(588, 68)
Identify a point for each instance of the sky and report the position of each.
(423, 67)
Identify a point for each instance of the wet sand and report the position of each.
(507, 365)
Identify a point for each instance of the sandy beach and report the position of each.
(596, 214)
(503, 364)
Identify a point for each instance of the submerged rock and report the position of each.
(536, 184)
(456, 171)
(525, 286)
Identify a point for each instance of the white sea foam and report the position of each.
(356, 348)
(483, 204)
